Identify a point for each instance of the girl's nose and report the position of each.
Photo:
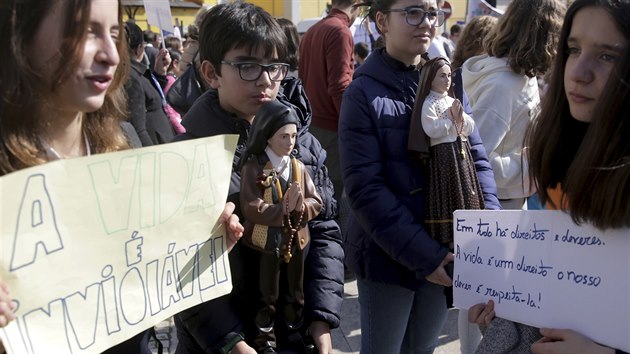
(581, 70)
(108, 52)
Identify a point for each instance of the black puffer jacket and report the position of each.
(323, 274)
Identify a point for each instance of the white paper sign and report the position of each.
(543, 270)
(159, 14)
(481, 8)
(99, 248)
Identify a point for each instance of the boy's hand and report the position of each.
(162, 62)
(6, 305)
(233, 227)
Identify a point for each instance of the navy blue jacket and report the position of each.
(386, 241)
(323, 272)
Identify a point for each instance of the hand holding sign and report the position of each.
(482, 314)
(567, 341)
(162, 62)
(6, 305)
(232, 225)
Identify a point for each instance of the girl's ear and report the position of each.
(381, 22)
(209, 74)
(139, 49)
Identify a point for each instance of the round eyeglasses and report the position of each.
(249, 71)
(415, 16)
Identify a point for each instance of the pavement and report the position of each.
(346, 338)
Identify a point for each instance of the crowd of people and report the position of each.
(401, 136)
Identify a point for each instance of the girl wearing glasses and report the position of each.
(399, 266)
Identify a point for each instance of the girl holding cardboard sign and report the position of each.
(61, 94)
(578, 147)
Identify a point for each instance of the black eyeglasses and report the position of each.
(249, 71)
(415, 16)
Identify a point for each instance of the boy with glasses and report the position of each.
(242, 51)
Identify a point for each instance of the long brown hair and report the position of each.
(471, 41)
(591, 162)
(527, 35)
(293, 42)
(23, 90)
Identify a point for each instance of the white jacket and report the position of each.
(503, 105)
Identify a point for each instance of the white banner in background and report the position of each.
(159, 14)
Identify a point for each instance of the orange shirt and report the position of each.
(556, 196)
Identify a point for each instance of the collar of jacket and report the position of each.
(395, 63)
(389, 72)
(340, 15)
(139, 67)
(207, 118)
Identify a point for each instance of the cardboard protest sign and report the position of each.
(541, 269)
(99, 248)
(159, 14)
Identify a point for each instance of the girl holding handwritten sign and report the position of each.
(61, 94)
(579, 148)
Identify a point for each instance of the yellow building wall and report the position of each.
(312, 8)
(274, 7)
(308, 9)
(459, 12)
(315, 8)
